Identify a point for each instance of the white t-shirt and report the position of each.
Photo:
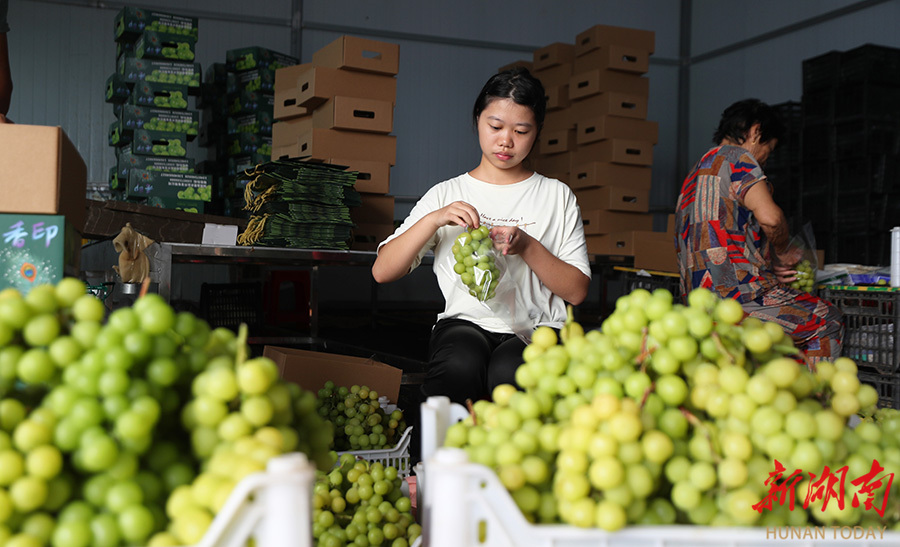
(544, 208)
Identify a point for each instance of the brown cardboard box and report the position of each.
(286, 132)
(319, 84)
(614, 198)
(311, 369)
(562, 176)
(610, 102)
(820, 256)
(320, 144)
(374, 176)
(286, 106)
(555, 142)
(597, 173)
(615, 151)
(355, 114)
(607, 222)
(554, 163)
(655, 251)
(615, 127)
(585, 83)
(614, 57)
(554, 75)
(375, 209)
(556, 120)
(367, 237)
(555, 54)
(607, 244)
(670, 225)
(600, 35)
(41, 172)
(352, 53)
(524, 64)
(557, 96)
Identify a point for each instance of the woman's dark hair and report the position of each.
(738, 118)
(517, 84)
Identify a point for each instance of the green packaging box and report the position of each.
(37, 249)
(248, 58)
(126, 161)
(131, 21)
(118, 89)
(259, 123)
(143, 183)
(152, 70)
(248, 102)
(114, 183)
(257, 79)
(162, 95)
(164, 45)
(145, 142)
(216, 74)
(241, 144)
(124, 48)
(186, 205)
(160, 119)
(238, 164)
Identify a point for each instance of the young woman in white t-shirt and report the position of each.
(534, 221)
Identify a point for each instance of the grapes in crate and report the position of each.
(132, 428)
(677, 413)
(358, 498)
(360, 423)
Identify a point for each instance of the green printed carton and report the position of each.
(259, 123)
(238, 164)
(131, 21)
(248, 58)
(153, 70)
(257, 79)
(163, 45)
(242, 144)
(37, 249)
(186, 205)
(162, 95)
(118, 89)
(143, 183)
(146, 142)
(126, 161)
(248, 102)
(160, 119)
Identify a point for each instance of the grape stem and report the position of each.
(241, 353)
(145, 286)
(721, 347)
(694, 421)
(647, 392)
(645, 353)
(471, 408)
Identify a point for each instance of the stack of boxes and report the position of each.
(850, 159)
(596, 138)
(149, 91)
(212, 101)
(339, 110)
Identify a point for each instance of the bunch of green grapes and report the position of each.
(806, 277)
(177, 127)
(175, 99)
(264, 149)
(475, 263)
(675, 414)
(203, 193)
(173, 148)
(105, 422)
(191, 79)
(170, 29)
(246, 62)
(360, 503)
(359, 421)
(183, 52)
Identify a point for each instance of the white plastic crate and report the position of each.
(274, 508)
(397, 457)
(466, 505)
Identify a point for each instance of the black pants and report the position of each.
(468, 362)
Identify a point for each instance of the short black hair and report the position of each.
(738, 118)
(517, 84)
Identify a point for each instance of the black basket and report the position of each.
(651, 282)
(822, 71)
(230, 304)
(871, 337)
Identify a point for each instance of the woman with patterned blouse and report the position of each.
(732, 238)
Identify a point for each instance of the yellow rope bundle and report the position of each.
(254, 231)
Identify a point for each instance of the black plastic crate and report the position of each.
(853, 245)
(819, 105)
(817, 142)
(859, 138)
(867, 100)
(634, 280)
(230, 304)
(821, 71)
(871, 336)
(887, 386)
(870, 63)
(875, 173)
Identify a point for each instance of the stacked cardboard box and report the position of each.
(155, 75)
(339, 110)
(596, 137)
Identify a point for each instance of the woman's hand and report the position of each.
(458, 213)
(785, 274)
(510, 240)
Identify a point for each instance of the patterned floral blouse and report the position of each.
(719, 242)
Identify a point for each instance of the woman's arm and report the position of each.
(563, 279)
(396, 256)
(771, 219)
